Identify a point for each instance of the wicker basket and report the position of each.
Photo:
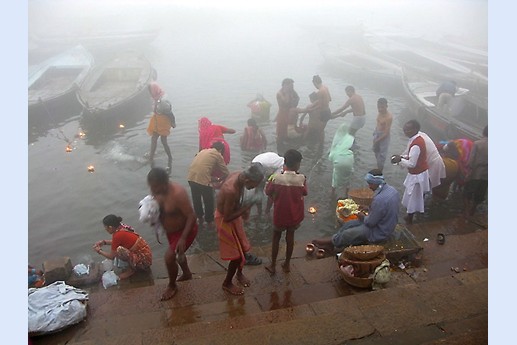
(361, 196)
(360, 282)
(363, 253)
(363, 267)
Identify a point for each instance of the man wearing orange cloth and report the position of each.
(229, 215)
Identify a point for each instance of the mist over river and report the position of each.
(211, 62)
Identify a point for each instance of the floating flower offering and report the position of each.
(121, 126)
(82, 134)
(68, 148)
(91, 168)
(312, 210)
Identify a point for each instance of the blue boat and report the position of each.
(52, 85)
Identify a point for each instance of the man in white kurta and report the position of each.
(436, 167)
(417, 179)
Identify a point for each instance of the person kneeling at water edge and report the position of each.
(126, 245)
(375, 227)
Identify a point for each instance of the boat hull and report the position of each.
(116, 94)
(466, 118)
(51, 88)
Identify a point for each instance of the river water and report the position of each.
(210, 64)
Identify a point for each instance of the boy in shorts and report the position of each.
(287, 190)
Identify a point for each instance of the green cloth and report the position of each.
(342, 157)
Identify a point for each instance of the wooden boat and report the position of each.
(360, 65)
(465, 117)
(437, 61)
(52, 85)
(116, 92)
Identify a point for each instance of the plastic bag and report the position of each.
(54, 307)
(109, 278)
(81, 269)
(381, 275)
(107, 265)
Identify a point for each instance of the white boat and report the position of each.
(465, 117)
(52, 83)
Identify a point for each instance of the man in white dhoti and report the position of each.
(417, 179)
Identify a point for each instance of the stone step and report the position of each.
(312, 298)
(376, 314)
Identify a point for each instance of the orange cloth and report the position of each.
(233, 242)
(160, 124)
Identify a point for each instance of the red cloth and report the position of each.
(252, 140)
(210, 133)
(174, 237)
(421, 164)
(123, 238)
(287, 191)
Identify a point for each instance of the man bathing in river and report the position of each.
(179, 221)
(229, 215)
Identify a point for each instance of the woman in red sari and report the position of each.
(125, 245)
(210, 133)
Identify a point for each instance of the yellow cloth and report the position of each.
(160, 124)
(451, 171)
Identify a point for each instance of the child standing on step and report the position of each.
(287, 190)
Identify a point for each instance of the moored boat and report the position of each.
(116, 92)
(465, 117)
(52, 85)
(362, 66)
(435, 60)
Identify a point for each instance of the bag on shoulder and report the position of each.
(164, 107)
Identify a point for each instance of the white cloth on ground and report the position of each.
(54, 307)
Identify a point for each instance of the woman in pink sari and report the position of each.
(210, 133)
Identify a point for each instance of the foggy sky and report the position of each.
(434, 19)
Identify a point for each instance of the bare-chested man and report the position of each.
(356, 104)
(179, 221)
(381, 134)
(229, 215)
(319, 113)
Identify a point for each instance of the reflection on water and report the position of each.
(212, 71)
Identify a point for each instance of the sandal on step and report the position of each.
(252, 260)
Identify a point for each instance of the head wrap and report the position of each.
(156, 91)
(372, 179)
